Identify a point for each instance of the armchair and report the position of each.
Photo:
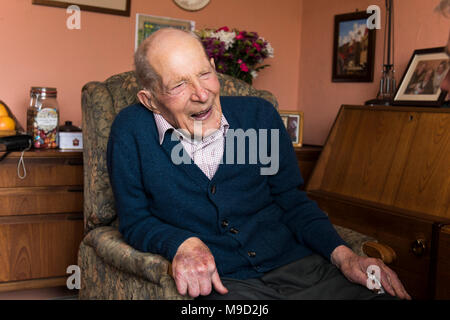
(110, 268)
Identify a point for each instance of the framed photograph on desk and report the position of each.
(293, 121)
(420, 84)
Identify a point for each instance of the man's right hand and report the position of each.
(194, 269)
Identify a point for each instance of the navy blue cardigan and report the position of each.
(252, 223)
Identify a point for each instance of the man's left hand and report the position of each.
(354, 268)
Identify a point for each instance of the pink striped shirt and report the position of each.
(206, 153)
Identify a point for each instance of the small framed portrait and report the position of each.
(421, 82)
(293, 121)
(353, 48)
(147, 24)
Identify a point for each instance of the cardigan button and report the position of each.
(251, 254)
(225, 223)
(234, 231)
(213, 189)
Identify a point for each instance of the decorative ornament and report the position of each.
(191, 5)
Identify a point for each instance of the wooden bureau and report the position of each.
(385, 172)
(307, 156)
(41, 218)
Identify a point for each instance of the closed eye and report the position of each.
(177, 88)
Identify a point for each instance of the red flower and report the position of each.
(257, 46)
(244, 67)
(226, 29)
(240, 36)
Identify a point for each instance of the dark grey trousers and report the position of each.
(310, 278)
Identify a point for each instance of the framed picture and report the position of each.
(293, 120)
(420, 84)
(353, 48)
(119, 7)
(146, 25)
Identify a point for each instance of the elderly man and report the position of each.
(230, 231)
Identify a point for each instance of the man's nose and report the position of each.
(199, 93)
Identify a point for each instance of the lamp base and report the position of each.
(378, 102)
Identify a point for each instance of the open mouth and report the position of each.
(203, 115)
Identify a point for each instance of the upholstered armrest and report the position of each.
(354, 239)
(366, 246)
(110, 246)
(380, 251)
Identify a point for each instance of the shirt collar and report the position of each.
(163, 126)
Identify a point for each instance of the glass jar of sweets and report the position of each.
(43, 117)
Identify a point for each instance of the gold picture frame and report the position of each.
(293, 121)
(117, 7)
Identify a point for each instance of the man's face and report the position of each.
(190, 93)
(445, 84)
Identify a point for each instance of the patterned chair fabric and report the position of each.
(110, 268)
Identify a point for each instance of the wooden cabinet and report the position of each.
(443, 265)
(384, 171)
(41, 218)
(307, 157)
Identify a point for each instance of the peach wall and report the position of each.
(38, 50)
(416, 27)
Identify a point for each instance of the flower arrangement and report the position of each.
(237, 53)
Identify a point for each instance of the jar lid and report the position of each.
(43, 91)
(68, 127)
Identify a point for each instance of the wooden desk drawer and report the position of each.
(41, 200)
(443, 265)
(397, 231)
(41, 247)
(42, 172)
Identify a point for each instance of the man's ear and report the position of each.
(146, 98)
(212, 63)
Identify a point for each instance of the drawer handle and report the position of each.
(75, 162)
(419, 247)
(74, 218)
(75, 189)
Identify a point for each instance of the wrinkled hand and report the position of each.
(354, 268)
(194, 269)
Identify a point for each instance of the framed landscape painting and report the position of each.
(353, 48)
